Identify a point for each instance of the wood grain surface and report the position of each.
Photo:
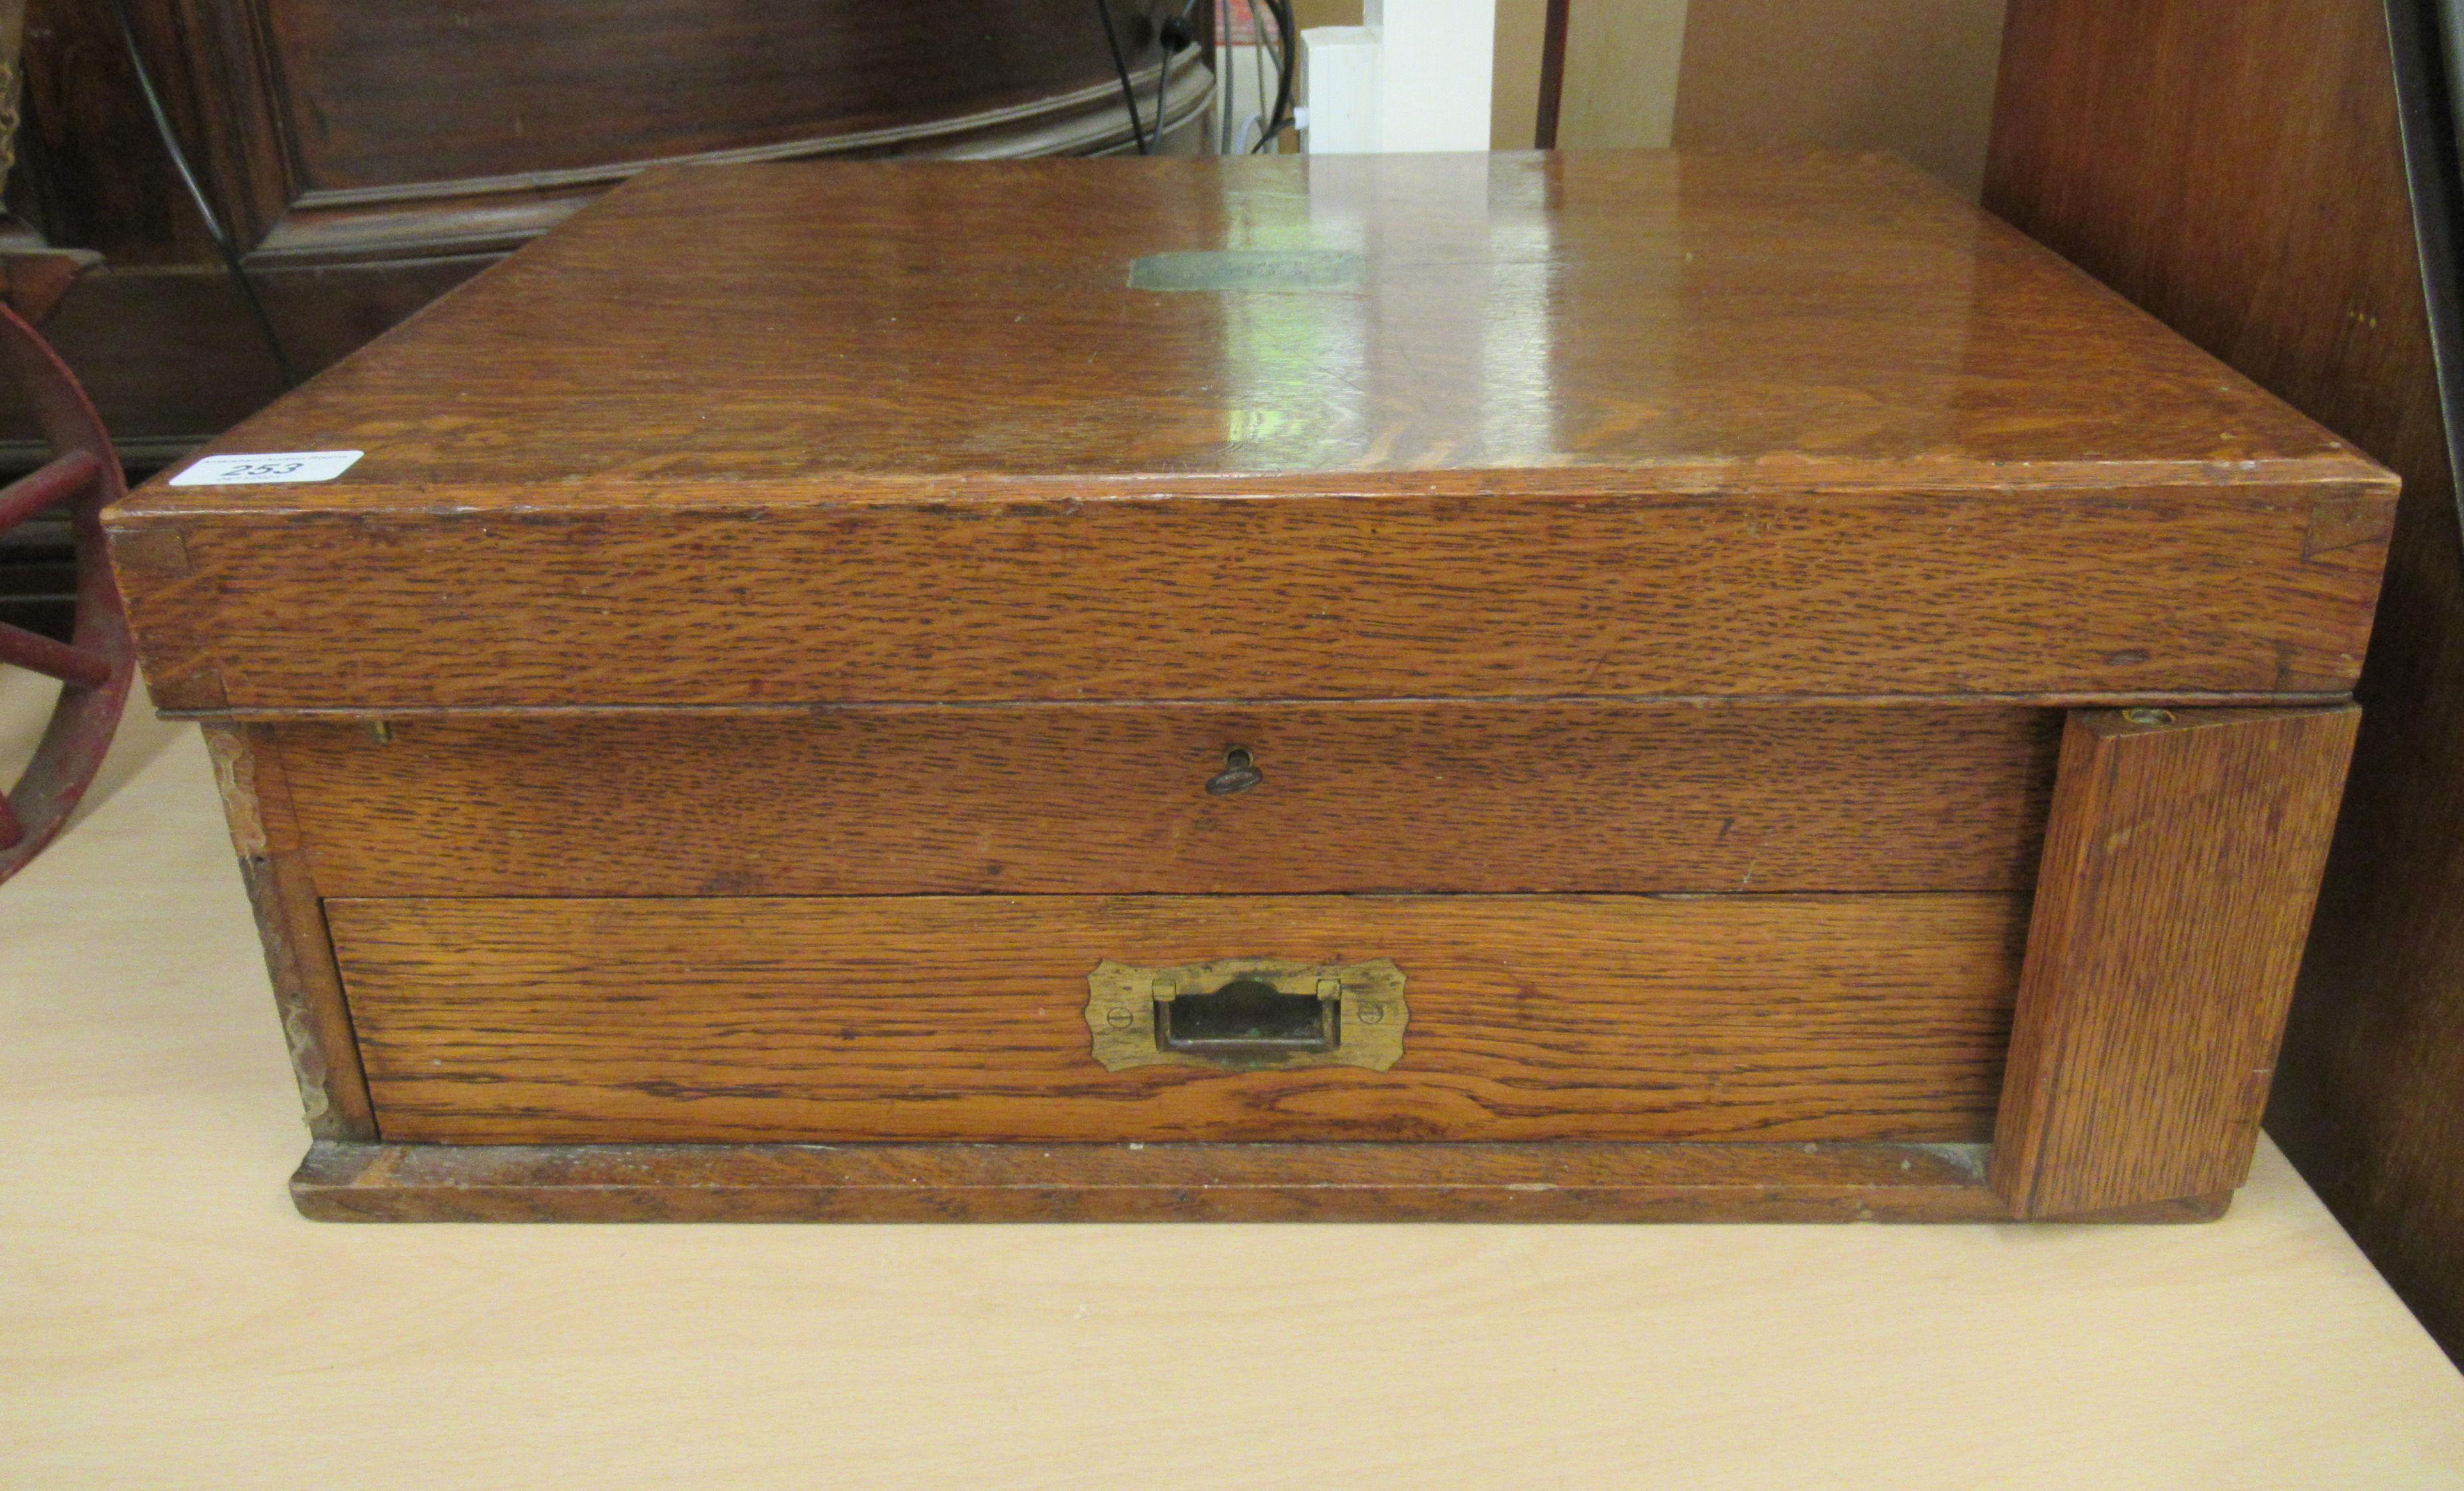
(2181, 865)
(1416, 797)
(1603, 424)
(1183, 1183)
(2246, 588)
(924, 1017)
(2121, 143)
(1741, 322)
(291, 925)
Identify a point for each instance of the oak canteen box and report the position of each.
(1584, 686)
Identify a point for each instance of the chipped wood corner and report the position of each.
(227, 747)
(2355, 527)
(161, 552)
(194, 689)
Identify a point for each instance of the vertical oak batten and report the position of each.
(291, 922)
(2181, 865)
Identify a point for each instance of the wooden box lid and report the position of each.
(1612, 423)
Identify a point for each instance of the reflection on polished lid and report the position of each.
(1610, 321)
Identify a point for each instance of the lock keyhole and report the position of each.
(1239, 773)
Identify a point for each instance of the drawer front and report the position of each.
(1716, 1018)
(1114, 800)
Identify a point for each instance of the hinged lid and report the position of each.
(1617, 423)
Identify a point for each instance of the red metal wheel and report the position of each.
(95, 665)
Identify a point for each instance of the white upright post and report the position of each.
(1416, 77)
(1433, 72)
(1338, 89)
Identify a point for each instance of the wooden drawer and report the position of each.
(549, 1021)
(1437, 798)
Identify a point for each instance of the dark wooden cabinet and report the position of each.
(369, 156)
(2262, 207)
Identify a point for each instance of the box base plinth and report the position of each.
(343, 1181)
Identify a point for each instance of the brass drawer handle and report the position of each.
(1249, 1018)
(1246, 1014)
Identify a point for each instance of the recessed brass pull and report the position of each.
(1249, 1019)
(1248, 1015)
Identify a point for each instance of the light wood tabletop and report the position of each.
(167, 1321)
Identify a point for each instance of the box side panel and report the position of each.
(2144, 592)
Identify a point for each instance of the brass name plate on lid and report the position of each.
(1285, 271)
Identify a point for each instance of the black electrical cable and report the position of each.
(1120, 65)
(1287, 59)
(1274, 44)
(196, 194)
(1259, 52)
(1163, 81)
(1177, 36)
(1222, 77)
(1260, 11)
(1288, 86)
